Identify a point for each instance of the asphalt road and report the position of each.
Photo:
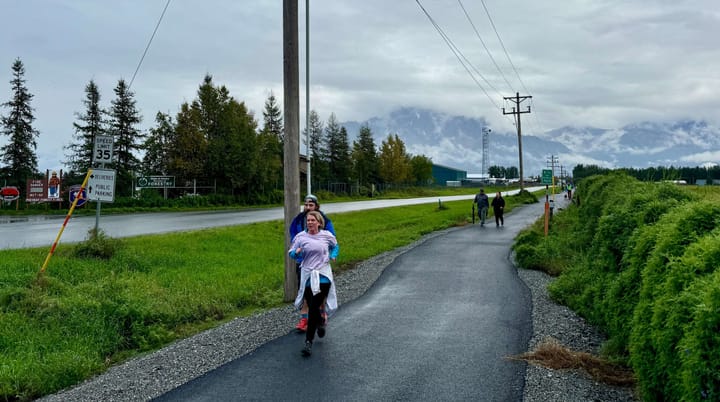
(439, 324)
(41, 231)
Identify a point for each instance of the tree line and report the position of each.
(214, 139)
(690, 175)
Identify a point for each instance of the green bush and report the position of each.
(643, 266)
(676, 261)
(97, 245)
(699, 350)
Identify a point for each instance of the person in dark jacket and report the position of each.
(498, 205)
(299, 224)
(481, 199)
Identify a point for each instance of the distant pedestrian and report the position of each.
(481, 199)
(317, 247)
(298, 225)
(498, 204)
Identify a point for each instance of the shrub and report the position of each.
(97, 245)
(699, 350)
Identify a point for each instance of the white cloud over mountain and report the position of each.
(456, 141)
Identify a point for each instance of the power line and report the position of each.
(485, 46)
(503, 46)
(455, 51)
(148, 45)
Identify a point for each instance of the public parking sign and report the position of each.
(101, 185)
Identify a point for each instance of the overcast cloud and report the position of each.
(601, 63)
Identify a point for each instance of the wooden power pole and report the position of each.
(291, 159)
(516, 111)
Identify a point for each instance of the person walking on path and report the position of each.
(317, 247)
(498, 204)
(481, 199)
(299, 225)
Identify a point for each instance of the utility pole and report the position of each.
(516, 111)
(485, 149)
(307, 96)
(291, 158)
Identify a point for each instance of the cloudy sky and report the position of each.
(601, 63)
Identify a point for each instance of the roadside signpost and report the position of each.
(101, 186)
(547, 176)
(547, 180)
(163, 182)
(103, 149)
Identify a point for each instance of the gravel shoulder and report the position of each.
(149, 376)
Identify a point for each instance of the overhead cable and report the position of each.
(503, 47)
(510, 87)
(457, 54)
(148, 45)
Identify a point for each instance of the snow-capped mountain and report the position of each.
(456, 141)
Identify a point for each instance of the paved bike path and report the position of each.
(438, 324)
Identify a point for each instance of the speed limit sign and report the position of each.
(103, 149)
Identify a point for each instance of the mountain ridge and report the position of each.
(456, 141)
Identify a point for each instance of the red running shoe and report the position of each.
(302, 325)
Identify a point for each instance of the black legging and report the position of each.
(498, 216)
(314, 302)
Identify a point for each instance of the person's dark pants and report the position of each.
(314, 303)
(498, 217)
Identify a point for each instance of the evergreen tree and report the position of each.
(230, 132)
(187, 153)
(318, 153)
(365, 158)
(19, 154)
(394, 162)
(270, 147)
(124, 117)
(239, 162)
(157, 145)
(209, 104)
(208, 107)
(338, 151)
(89, 125)
(273, 120)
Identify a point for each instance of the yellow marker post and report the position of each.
(67, 218)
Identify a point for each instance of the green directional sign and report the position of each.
(156, 181)
(547, 176)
